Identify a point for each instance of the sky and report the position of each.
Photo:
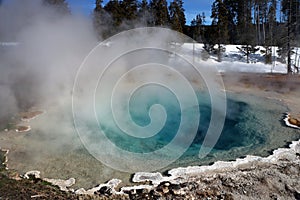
(192, 8)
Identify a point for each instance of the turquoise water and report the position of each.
(251, 125)
(139, 106)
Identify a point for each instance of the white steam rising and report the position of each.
(51, 46)
(40, 71)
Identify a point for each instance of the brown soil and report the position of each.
(13, 189)
(29, 189)
(282, 87)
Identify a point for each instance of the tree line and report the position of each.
(118, 15)
(251, 23)
(248, 23)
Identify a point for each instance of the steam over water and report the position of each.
(139, 108)
(40, 72)
(251, 127)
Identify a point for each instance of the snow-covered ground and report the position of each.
(234, 60)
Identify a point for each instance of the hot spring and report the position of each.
(165, 111)
(252, 126)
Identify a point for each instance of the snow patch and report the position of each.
(234, 60)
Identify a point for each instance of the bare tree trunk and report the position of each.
(219, 53)
(296, 69)
(258, 26)
(289, 61)
(248, 53)
(298, 65)
(264, 32)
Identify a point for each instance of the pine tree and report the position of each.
(245, 28)
(130, 9)
(267, 53)
(143, 6)
(271, 22)
(177, 17)
(114, 9)
(98, 6)
(220, 24)
(144, 12)
(59, 5)
(244, 22)
(260, 15)
(100, 20)
(232, 8)
(197, 27)
(291, 12)
(247, 50)
(270, 35)
(159, 11)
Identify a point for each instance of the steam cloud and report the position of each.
(49, 47)
(40, 71)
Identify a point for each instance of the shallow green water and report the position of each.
(253, 126)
